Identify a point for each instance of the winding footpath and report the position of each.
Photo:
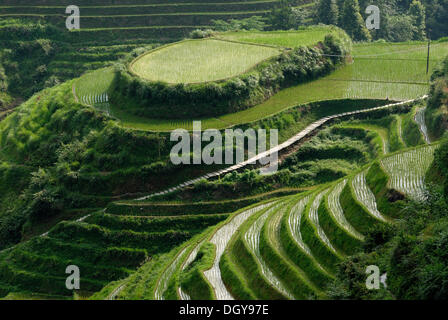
(267, 154)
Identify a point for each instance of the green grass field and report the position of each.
(94, 83)
(200, 61)
(289, 39)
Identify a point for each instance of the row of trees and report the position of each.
(399, 20)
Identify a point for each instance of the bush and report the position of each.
(201, 34)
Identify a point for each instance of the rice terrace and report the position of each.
(98, 97)
(178, 63)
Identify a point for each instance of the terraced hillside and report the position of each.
(286, 247)
(281, 245)
(283, 249)
(155, 19)
(105, 246)
(291, 250)
(182, 58)
(87, 179)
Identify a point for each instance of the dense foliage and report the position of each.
(352, 22)
(437, 110)
(399, 20)
(285, 16)
(251, 23)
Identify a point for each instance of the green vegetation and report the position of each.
(230, 275)
(83, 162)
(106, 247)
(327, 12)
(192, 280)
(294, 247)
(245, 246)
(387, 200)
(412, 136)
(352, 22)
(290, 39)
(294, 280)
(330, 155)
(110, 20)
(419, 240)
(436, 113)
(93, 84)
(356, 214)
(247, 264)
(400, 20)
(342, 241)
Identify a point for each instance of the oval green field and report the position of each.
(197, 61)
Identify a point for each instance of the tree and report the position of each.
(351, 21)
(401, 28)
(285, 17)
(436, 18)
(327, 12)
(417, 12)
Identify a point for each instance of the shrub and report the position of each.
(201, 34)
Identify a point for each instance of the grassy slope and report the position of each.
(293, 278)
(355, 213)
(341, 240)
(246, 267)
(304, 261)
(193, 281)
(289, 39)
(327, 258)
(412, 135)
(377, 181)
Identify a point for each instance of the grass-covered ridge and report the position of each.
(306, 236)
